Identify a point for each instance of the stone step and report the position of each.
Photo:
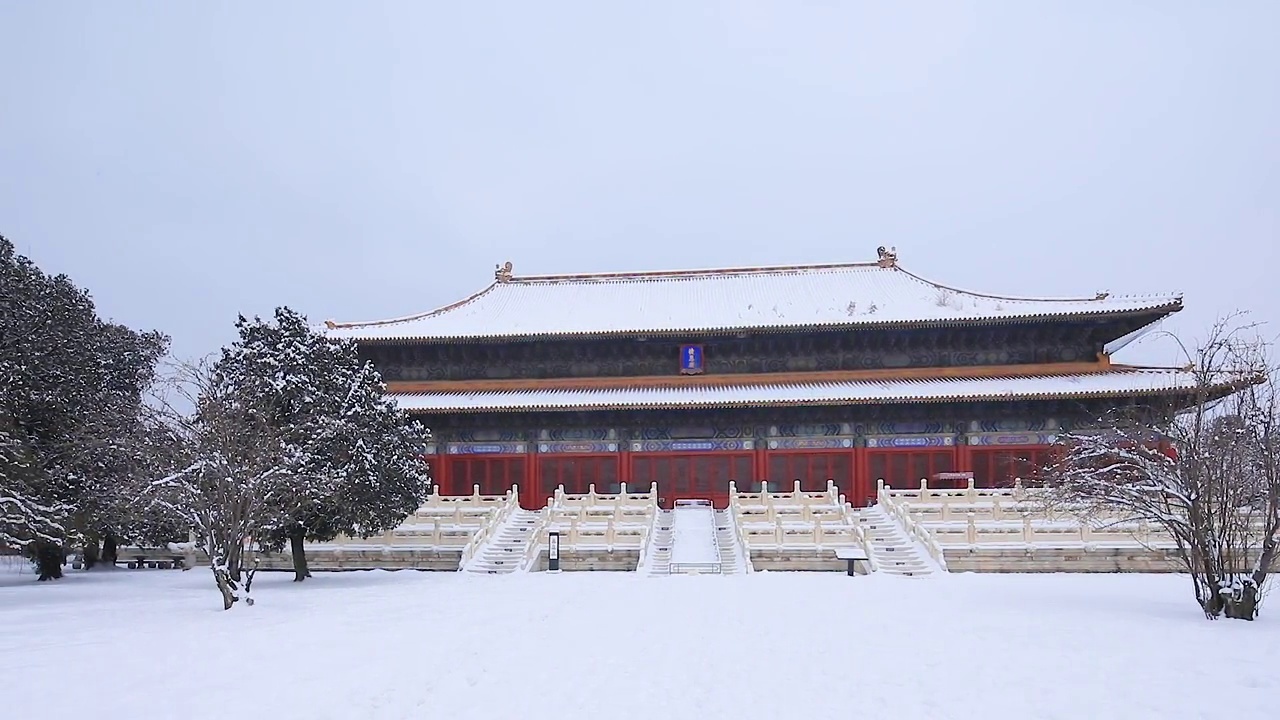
(892, 549)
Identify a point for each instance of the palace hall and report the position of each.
(845, 372)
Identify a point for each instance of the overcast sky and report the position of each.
(190, 161)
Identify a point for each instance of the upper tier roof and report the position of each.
(727, 300)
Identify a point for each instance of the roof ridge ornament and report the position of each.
(888, 258)
(502, 273)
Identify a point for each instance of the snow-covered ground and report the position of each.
(154, 644)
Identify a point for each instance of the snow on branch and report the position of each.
(1205, 471)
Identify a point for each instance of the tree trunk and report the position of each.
(1217, 604)
(228, 578)
(231, 560)
(109, 555)
(225, 585)
(91, 556)
(1244, 607)
(48, 559)
(299, 552)
(248, 583)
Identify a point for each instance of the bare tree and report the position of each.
(1205, 472)
(222, 463)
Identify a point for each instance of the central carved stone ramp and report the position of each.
(892, 550)
(502, 553)
(694, 548)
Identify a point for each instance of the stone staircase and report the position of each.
(660, 540)
(892, 550)
(733, 557)
(504, 552)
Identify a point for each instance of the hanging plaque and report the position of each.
(690, 359)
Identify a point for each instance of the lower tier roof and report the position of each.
(1116, 383)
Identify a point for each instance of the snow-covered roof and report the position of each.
(726, 300)
(1119, 383)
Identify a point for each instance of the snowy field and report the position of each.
(611, 646)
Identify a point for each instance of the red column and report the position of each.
(855, 496)
(863, 482)
(528, 483)
(439, 473)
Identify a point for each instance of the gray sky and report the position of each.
(190, 161)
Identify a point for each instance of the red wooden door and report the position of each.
(995, 467)
(903, 469)
(814, 469)
(493, 475)
(692, 477)
(576, 474)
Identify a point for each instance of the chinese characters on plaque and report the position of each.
(690, 359)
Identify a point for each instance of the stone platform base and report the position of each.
(1061, 560)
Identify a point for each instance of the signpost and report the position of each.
(852, 555)
(553, 551)
(956, 479)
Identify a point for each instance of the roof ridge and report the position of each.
(333, 324)
(1015, 298)
(696, 273)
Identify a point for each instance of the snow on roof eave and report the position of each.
(674, 405)
(1167, 308)
(1124, 341)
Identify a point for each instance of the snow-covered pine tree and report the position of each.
(357, 467)
(71, 388)
(27, 518)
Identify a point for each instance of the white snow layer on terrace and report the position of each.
(694, 535)
(852, 294)
(767, 646)
(1120, 382)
